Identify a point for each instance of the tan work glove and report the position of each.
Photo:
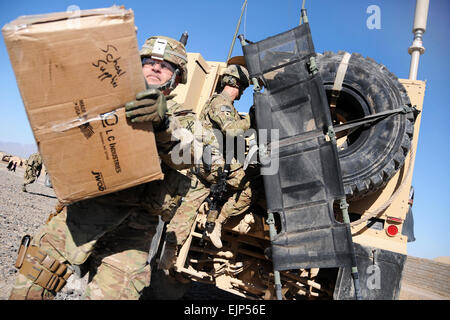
(150, 105)
(244, 225)
(202, 215)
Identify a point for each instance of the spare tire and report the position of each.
(372, 154)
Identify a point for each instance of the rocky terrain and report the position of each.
(23, 213)
(20, 213)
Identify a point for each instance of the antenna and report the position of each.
(419, 27)
(303, 16)
(237, 29)
(184, 38)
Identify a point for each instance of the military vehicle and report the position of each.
(338, 211)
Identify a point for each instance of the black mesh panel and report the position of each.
(308, 180)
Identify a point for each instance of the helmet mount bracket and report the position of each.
(159, 48)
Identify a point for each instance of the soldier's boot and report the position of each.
(216, 235)
(24, 189)
(168, 257)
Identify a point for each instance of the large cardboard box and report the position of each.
(74, 76)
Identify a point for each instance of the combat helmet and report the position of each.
(236, 76)
(168, 49)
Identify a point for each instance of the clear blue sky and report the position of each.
(335, 25)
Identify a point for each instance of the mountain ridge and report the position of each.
(18, 149)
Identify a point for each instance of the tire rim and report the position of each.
(349, 106)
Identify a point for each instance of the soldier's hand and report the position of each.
(203, 209)
(202, 221)
(202, 215)
(150, 105)
(244, 225)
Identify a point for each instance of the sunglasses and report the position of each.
(163, 64)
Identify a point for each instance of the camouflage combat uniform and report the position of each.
(185, 215)
(32, 170)
(220, 114)
(114, 231)
(110, 235)
(219, 117)
(180, 225)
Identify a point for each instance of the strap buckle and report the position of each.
(334, 97)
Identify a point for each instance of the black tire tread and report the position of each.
(359, 188)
